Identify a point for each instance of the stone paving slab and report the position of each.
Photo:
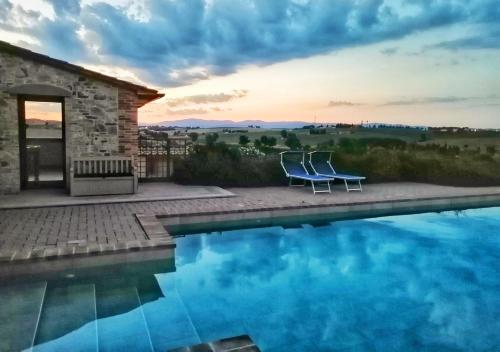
(147, 192)
(54, 232)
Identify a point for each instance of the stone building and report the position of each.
(98, 117)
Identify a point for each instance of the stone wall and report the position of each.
(101, 119)
(9, 147)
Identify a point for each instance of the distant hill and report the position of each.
(229, 123)
(41, 122)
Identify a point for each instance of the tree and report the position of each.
(193, 136)
(257, 143)
(292, 141)
(268, 141)
(284, 133)
(211, 138)
(244, 140)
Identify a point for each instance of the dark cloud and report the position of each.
(207, 98)
(219, 36)
(488, 40)
(389, 51)
(59, 35)
(334, 103)
(63, 7)
(5, 8)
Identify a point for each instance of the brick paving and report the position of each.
(53, 229)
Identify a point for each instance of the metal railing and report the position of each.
(157, 153)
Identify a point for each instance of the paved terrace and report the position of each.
(52, 232)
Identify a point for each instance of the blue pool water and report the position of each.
(425, 282)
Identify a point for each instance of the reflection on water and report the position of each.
(405, 283)
(426, 282)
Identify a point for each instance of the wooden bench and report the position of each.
(92, 176)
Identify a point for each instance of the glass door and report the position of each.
(43, 147)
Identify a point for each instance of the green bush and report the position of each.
(382, 165)
(244, 140)
(380, 161)
(226, 166)
(292, 141)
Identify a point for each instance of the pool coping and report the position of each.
(338, 211)
(82, 249)
(159, 239)
(55, 264)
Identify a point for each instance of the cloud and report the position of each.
(219, 109)
(431, 100)
(16, 18)
(334, 103)
(200, 111)
(207, 98)
(220, 36)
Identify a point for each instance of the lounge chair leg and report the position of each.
(359, 188)
(290, 183)
(321, 191)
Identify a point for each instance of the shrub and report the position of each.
(221, 165)
(292, 141)
(317, 131)
(244, 140)
(194, 136)
(268, 141)
(211, 138)
(491, 149)
(382, 165)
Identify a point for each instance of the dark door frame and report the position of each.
(21, 99)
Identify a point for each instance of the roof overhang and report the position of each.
(148, 97)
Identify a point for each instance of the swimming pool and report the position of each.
(423, 282)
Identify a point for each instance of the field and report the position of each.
(464, 140)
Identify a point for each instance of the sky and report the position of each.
(418, 62)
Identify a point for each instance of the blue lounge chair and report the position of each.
(293, 163)
(321, 163)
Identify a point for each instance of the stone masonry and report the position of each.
(100, 117)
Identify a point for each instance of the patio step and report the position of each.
(121, 325)
(68, 319)
(19, 313)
